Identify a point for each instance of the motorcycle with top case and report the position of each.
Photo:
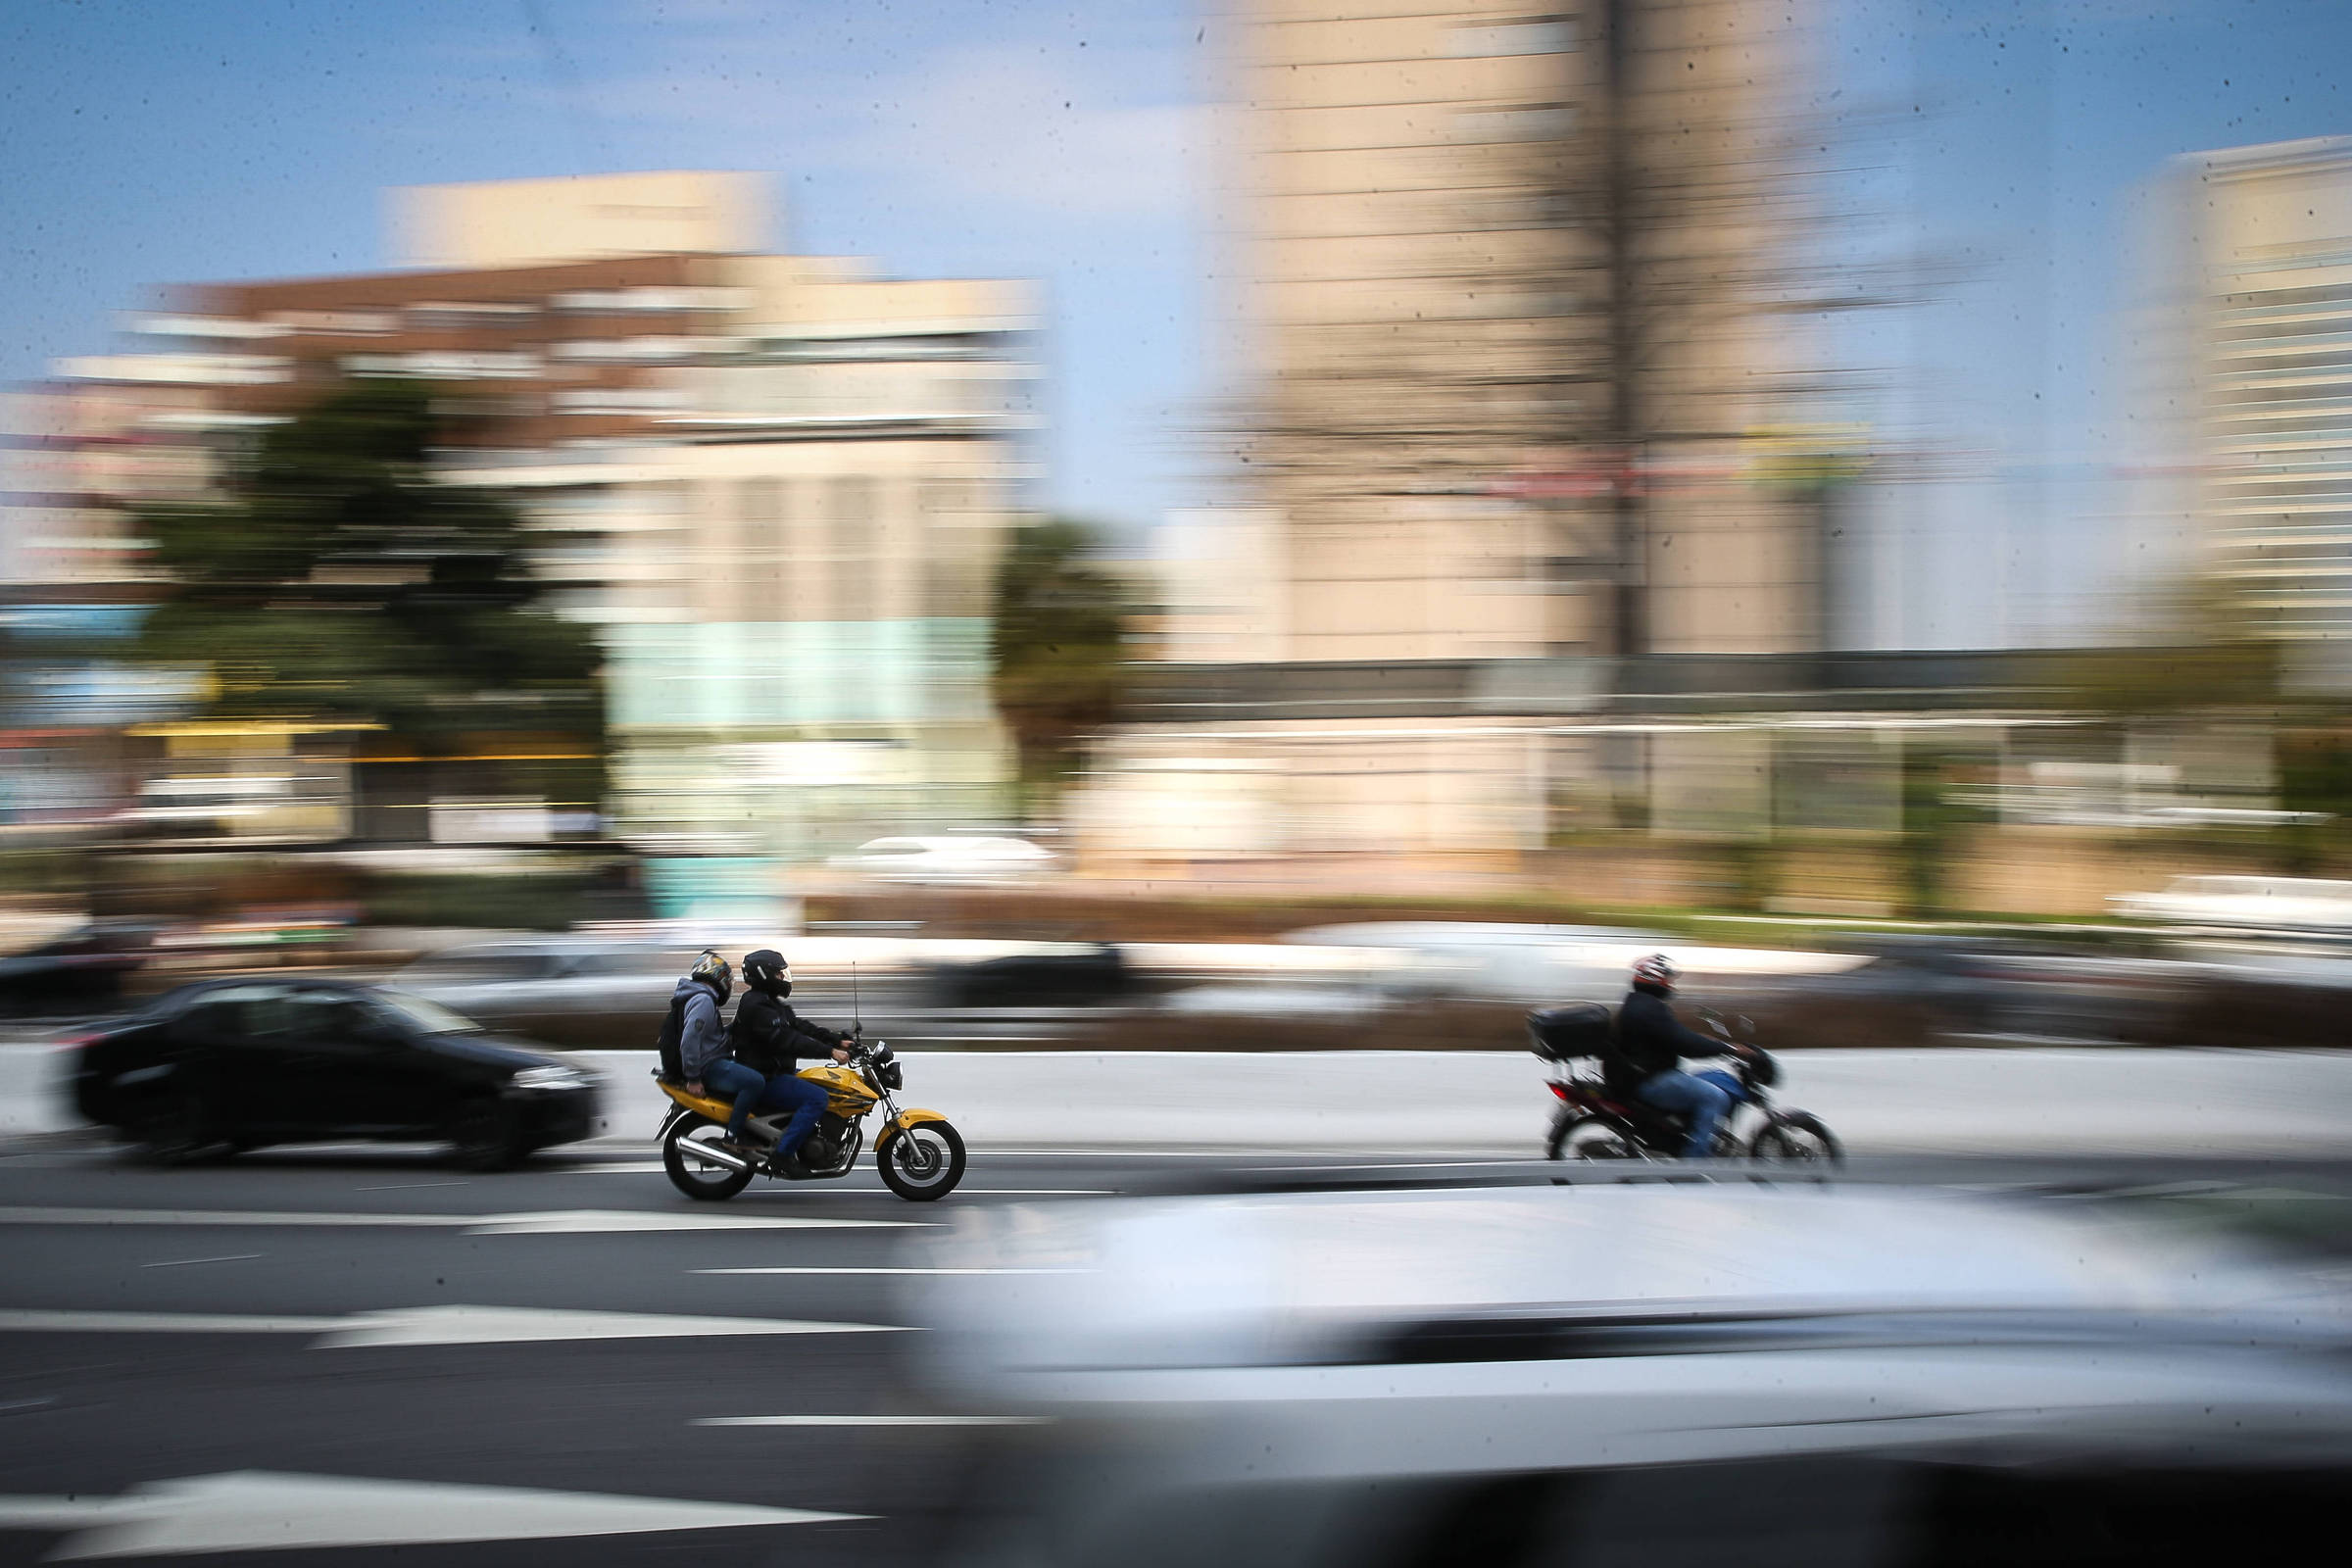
(919, 1155)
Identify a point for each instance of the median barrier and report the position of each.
(33, 1091)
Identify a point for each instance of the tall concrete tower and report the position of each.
(1510, 294)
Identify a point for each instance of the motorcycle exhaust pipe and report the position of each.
(716, 1156)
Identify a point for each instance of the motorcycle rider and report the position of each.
(767, 1037)
(1651, 1044)
(703, 1048)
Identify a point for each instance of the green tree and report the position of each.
(338, 579)
(1058, 648)
(2213, 657)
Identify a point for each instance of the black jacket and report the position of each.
(1651, 1040)
(769, 1037)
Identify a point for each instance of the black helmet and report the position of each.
(713, 971)
(766, 970)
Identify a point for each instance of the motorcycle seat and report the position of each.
(710, 1108)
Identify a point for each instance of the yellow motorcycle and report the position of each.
(919, 1155)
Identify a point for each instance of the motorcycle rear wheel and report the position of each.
(705, 1180)
(1588, 1137)
(921, 1163)
(1798, 1138)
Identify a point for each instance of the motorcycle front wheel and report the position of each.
(1588, 1138)
(693, 1175)
(923, 1162)
(1797, 1138)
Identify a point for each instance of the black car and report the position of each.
(226, 1065)
(81, 972)
(1073, 976)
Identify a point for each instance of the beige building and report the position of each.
(2253, 400)
(536, 222)
(1507, 325)
(778, 485)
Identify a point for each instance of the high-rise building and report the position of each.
(775, 484)
(1511, 314)
(1516, 320)
(2252, 402)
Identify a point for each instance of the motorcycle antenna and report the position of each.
(857, 1008)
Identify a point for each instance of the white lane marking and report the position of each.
(872, 1421)
(1039, 1192)
(653, 1167)
(505, 1325)
(74, 1322)
(638, 1168)
(257, 1510)
(183, 1262)
(813, 1270)
(556, 1222)
(430, 1325)
(1113, 1153)
(404, 1187)
(610, 1221)
(26, 1215)
(1391, 1164)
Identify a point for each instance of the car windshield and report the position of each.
(429, 1016)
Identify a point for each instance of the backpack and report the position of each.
(1568, 1033)
(674, 1029)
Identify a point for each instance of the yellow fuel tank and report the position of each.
(847, 1091)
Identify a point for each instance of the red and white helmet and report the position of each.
(1657, 970)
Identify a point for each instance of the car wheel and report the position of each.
(482, 1136)
(173, 1129)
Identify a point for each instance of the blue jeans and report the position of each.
(1704, 1097)
(727, 1079)
(808, 1102)
(805, 1101)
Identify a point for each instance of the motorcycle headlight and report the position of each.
(551, 1078)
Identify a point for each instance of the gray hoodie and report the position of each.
(701, 1039)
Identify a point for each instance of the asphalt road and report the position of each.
(351, 1356)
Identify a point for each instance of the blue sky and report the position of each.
(167, 140)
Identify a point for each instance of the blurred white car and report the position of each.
(948, 860)
(1663, 1374)
(576, 992)
(2245, 903)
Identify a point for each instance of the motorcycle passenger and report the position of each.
(767, 1037)
(702, 1044)
(1651, 1046)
